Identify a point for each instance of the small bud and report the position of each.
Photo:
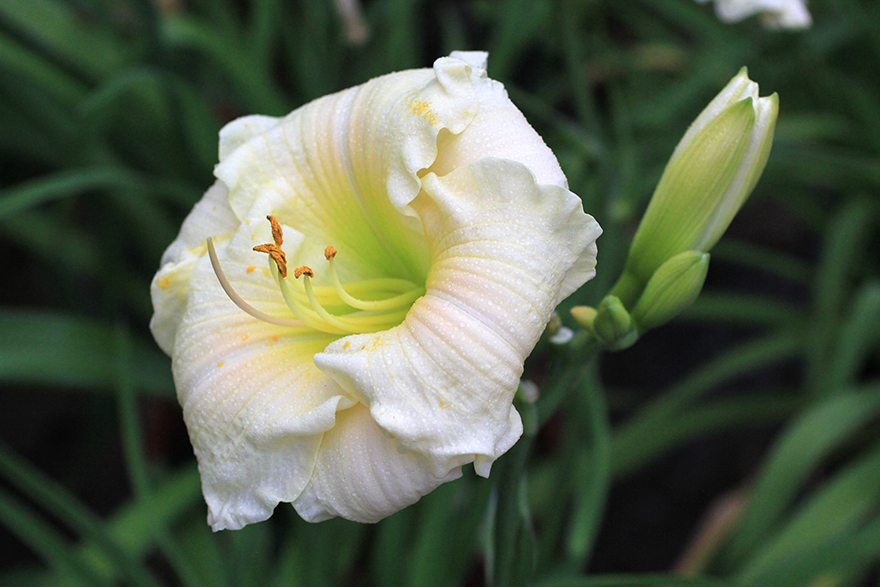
(672, 288)
(584, 316)
(613, 325)
(708, 178)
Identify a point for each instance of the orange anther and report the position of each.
(303, 271)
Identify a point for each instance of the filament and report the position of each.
(237, 299)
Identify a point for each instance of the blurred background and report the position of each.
(738, 445)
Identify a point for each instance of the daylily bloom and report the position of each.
(419, 236)
(775, 14)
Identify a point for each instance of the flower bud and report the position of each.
(708, 178)
(613, 325)
(584, 316)
(672, 288)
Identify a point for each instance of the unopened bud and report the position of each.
(584, 316)
(708, 178)
(613, 325)
(672, 288)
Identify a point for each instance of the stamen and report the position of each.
(307, 315)
(276, 230)
(316, 316)
(237, 299)
(411, 293)
(274, 249)
(304, 270)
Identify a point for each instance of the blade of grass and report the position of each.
(811, 438)
(47, 542)
(392, 547)
(31, 230)
(831, 563)
(634, 580)
(763, 258)
(511, 550)
(63, 184)
(40, 72)
(251, 80)
(858, 338)
(130, 527)
(516, 24)
(834, 513)
(53, 26)
(54, 498)
(658, 415)
(132, 443)
(72, 182)
(844, 240)
(52, 348)
(742, 310)
(712, 418)
(593, 473)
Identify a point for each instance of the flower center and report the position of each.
(370, 305)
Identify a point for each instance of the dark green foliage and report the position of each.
(109, 113)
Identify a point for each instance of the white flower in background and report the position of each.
(433, 235)
(775, 14)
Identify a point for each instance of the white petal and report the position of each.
(499, 130)
(362, 476)
(791, 14)
(343, 169)
(255, 405)
(211, 216)
(442, 383)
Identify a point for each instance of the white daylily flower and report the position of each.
(373, 378)
(775, 14)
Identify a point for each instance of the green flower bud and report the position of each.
(672, 288)
(584, 316)
(708, 178)
(613, 325)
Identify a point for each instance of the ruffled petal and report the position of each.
(442, 383)
(211, 216)
(344, 169)
(500, 131)
(361, 475)
(255, 405)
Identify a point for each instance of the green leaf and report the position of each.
(40, 72)
(834, 513)
(845, 239)
(53, 26)
(54, 498)
(47, 542)
(64, 184)
(634, 580)
(857, 339)
(592, 473)
(130, 526)
(810, 439)
(742, 310)
(661, 414)
(52, 348)
(510, 552)
(132, 444)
